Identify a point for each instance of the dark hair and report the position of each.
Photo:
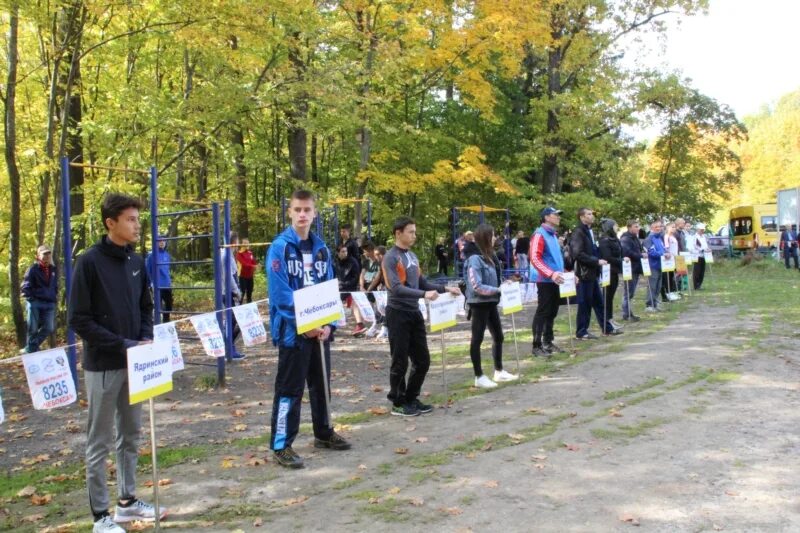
(400, 224)
(381, 250)
(115, 203)
(368, 246)
(302, 194)
(483, 240)
(233, 238)
(342, 245)
(346, 226)
(582, 211)
(633, 221)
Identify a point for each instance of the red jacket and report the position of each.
(247, 264)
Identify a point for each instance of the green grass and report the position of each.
(629, 391)
(44, 480)
(627, 431)
(205, 382)
(347, 483)
(387, 510)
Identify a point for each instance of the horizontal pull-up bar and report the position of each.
(184, 237)
(198, 262)
(182, 201)
(191, 288)
(349, 201)
(186, 212)
(117, 169)
(240, 245)
(479, 208)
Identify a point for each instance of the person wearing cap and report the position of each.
(40, 289)
(546, 270)
(789, 245)
(163, 260)
(586, 254)
(700, 247)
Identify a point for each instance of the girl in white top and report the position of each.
(669, 288)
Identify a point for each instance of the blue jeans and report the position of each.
(41, 323)
(590, 297)
(628, 290)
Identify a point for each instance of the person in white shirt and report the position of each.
(700, 247)
(669, 289)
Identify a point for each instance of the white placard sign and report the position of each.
(2, 412)
(627, 271)
(49, 378)
(361, 300)
(695, 257)
(510, 297)
(667, 265)
(568, 288)
(708, 256)
(689, 257)
(250, 324)
(461, 305)
(443, 312)
(605, 276)
(646, 267)
(167, 333)
(423, 308)
(530, 293)
(149, 370)
(317, 305)
(380, 301)
(207, 329)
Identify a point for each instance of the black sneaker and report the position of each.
(587, 337)
(405, 410)
(552, 348)
(632, 318)
(422, 407)
(614, 332)
(539, 351)
(288, 458)
(334, 442)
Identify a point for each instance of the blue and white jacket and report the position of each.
(284, 267)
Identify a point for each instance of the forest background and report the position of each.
(417, 105)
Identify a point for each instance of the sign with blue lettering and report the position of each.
(149, 370)
(49, 379)
(210, 335)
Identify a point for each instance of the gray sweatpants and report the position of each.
(109, 410)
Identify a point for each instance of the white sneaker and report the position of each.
(502, 375)
(383, 335)
(672, 297)
(138, 510)
(372, 331)
(650, 309)
(485, 383)
(106, 525)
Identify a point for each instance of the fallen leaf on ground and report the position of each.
(394, 490)
(491, 484)
(27, 461)
(417, 502)
(256, 461)
(30, 490)
(421, 439)
(411, 428)
(538, 457)
(572, 447)
(533, 410)
(240, 427)
(258, 522)
(731, 493)
(227, 462)
(717, 527)
(452, 511)
(83, 403)
(161, 482)
(376, 388)
(540, 466)
(44, 499)
(362, 467)
(297, 501)
(487, 447)
(378, 410)
(614, 412)
(629, 518)
(516, 437)
(401, 451)
(31, 518)
(238, 413)
(374, 500)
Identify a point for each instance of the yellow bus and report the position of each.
(754, 227)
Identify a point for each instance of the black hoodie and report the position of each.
(110, 305)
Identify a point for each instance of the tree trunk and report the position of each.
(297, 136)
(314, 169)
(551, 170)
(10, 123)
(240, 220)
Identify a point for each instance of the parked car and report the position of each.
(720, 240)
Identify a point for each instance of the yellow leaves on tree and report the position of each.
(468, 169)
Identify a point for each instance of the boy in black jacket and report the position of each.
(632, 249)
(587, 269)
(111, 309)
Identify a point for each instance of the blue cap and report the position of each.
(550, 211)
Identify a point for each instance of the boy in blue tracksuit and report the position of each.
(163, 276)
(654, 245)
(298, 258)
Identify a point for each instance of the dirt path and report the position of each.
(685, 429)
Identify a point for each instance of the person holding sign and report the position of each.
(407, 336)
(632, 251)
(546, 270)
(611, 251)
(669, 289)
(298, 258)
(483, 277)
(111, 309)
(654, 244)
(700, 247)
(587, 269)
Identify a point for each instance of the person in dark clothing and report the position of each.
(407, 335)
(111, 308)
(789, 245)
(353, 249)
(586, 255)
(631, 250)
(348, 272)
(298, 258)
(521, 251)
(611, 251)
(441, 256)
(40, 290)
(547, 269)
(484, 275)
(247, 269)
(162, 276)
